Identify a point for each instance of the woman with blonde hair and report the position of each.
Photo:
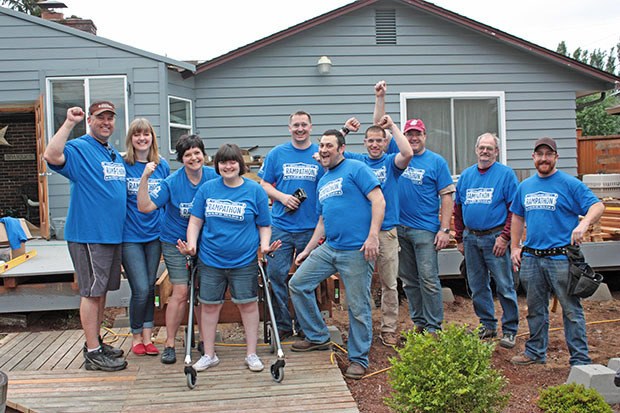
(141, 246)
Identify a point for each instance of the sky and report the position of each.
(204, 29)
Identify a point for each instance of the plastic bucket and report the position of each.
(59, 227)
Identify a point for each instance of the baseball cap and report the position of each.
(101, 106)
(546, 141)
(414, 124)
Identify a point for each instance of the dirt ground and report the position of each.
(524, 383)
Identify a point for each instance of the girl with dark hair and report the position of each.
(229, 220)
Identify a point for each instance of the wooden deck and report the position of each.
(46, 374)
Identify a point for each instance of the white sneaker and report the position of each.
(254, 363)
(205, 362)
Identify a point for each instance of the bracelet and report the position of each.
(345, 130)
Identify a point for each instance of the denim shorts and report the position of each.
(176, 263)
(243, 283)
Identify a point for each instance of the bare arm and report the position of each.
(403, 157)
(319, 232)
(54, 153)
(145, 205)
(516, 233)
(189, 247)
(447, 204)
(594, 214)
(264, 234)
(379, 111)
(371, 245)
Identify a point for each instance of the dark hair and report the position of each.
(186, 142)
(375, 128)
(229, 152)
(300, 113)
(337, 134)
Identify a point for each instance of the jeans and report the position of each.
(482, 264)
(278, 269)
(419, 270)
(387, 268)
(356, 274)
(541, 277)
(141, 260)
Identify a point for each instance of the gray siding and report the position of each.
(248, 99)
(33, 50)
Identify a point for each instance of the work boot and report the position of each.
(109, 350)
(305, 345)
(524, 360)
(389, 339)
(355, 371)
(99, 360)
(484, 333)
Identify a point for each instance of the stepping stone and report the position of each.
(596, 376)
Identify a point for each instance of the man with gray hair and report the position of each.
(482, 220)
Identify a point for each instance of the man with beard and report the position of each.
(550, 203)
(351, 208)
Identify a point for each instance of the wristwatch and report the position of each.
(446, 230)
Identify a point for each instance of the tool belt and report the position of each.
(545, 253)
(480, 232)
(582, 280)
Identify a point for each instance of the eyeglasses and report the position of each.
(539, 154)
(110, 152)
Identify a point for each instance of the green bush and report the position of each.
(572, 398)
(449, 373)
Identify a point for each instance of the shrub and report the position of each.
(572, 398)
(449, 372)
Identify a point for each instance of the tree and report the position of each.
(593, 119)
(24, 6)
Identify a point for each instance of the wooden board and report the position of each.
(46, 375)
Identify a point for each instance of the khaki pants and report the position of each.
(387, 269)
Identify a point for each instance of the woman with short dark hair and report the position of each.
(176, 193)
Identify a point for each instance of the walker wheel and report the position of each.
(192, 376)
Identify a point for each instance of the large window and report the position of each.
(66, 92)
(180, 119)
(454, 120)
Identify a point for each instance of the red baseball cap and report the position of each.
(414, 124)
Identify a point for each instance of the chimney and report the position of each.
(85, 25)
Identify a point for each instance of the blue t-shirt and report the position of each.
(14, 232)
(551, 207)
(231, 216)
(290, 168)
(418, 191)
(342, 200)
(388, 173)
(98, 200)
(176, 192)
(485, 196)
(140, 227)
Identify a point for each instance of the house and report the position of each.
(459, 75)
(46, 67)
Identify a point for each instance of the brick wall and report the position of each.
(15, 174)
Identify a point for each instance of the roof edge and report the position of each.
(282, 34)
(514, 40)
(99, 39)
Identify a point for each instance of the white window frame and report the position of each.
(189, 128)
(501, 113)
(49, 102)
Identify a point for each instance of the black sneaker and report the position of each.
(109, 350)
(99, 360)
(169, 356)
(484, 333)
(201, 347)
